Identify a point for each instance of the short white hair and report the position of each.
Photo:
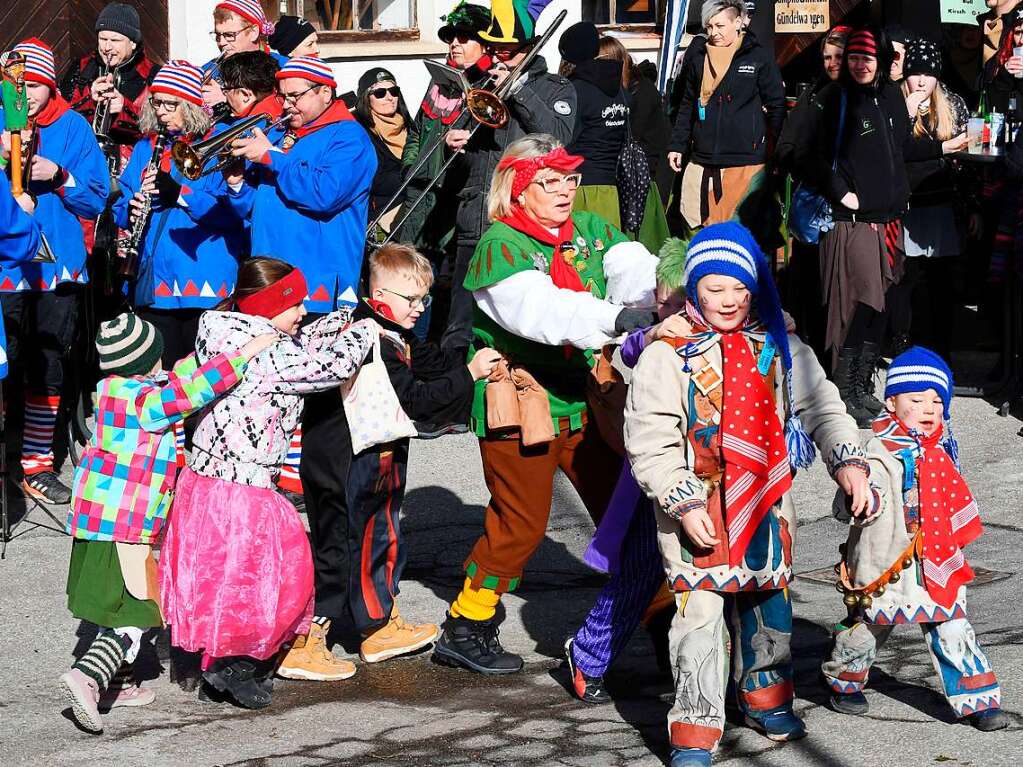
(712, 8)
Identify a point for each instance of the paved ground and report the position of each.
(414, 712)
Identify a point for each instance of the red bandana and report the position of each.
(757, 471)
(948, 514)
(563, 273)
(381, 308)
(288, 291)
(526, 168)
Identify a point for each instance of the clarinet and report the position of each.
(131, 244)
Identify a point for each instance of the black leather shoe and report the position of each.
(474, 645)
(588, 689)
(242, 679)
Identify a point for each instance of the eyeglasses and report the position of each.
(158, 104)
(294, 97)
(379, 93)
(552, 184)
(228, 37)
(414, 302)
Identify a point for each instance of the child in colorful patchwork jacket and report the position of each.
(122, 489)
(704, 434)
(903, 561)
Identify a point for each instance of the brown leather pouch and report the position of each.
(534, 409)
(502, 400)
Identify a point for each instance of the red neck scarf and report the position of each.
(53, 111)
(271, 105)
(757, 471)
(563, 273)
(381, 308)
(948, 514)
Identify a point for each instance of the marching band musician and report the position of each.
(19, 240)
(188, 258)
(540, 103)
(238, 26)
(250, 84)
(306, 196)
(68, 179)
(115, 75)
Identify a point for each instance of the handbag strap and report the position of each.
(841, 130)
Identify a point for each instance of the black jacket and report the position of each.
(876, 144)
(387, 178)
(745, 114)
(600, 130)
(652, 129)
(797, 131)
(432, 385)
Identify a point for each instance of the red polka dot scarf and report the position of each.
(947, 511)
(757, 471)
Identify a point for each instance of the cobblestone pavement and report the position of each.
(414, 712)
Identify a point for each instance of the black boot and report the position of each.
(845, 379)
(242, 679)
(865, 368)
(474, 645)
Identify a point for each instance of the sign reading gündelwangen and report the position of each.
(961, 11)
(801, 16)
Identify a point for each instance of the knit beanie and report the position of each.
(122, 19)
(861, 42)
(730, 249)
(373, 76)
(289, 32)
(128, 346)
(922, 58)
(916, 370)
(579, 43)
(39, 63)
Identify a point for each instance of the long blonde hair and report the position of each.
(196, 122)
(499, 201)
(938, 121)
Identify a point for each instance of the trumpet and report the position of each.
(191, 159)
(102, 117)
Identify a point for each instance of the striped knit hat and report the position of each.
(39, 65)
(181, 79)
(128, 346)
(861, 42)
(251, 11)
(918, 369)
(308, 68)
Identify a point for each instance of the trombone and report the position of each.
(192, 159)
(486, 108)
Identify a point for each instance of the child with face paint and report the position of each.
(714, 426)
(903, 561)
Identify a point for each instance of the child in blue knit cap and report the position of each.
(903, 561)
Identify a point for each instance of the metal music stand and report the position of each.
(6, 528)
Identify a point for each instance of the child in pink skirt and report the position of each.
(236, 570)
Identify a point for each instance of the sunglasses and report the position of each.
(379, 93)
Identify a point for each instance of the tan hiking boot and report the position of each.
(309, 658)
(396, 637)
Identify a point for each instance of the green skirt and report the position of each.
(602, 199)
(96, 590)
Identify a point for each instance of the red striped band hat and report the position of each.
(861, 42)
(39, 65)
(251, 11)
(308, 68)
(181, 79)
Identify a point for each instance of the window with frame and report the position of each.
(621, 13)
(347, 19)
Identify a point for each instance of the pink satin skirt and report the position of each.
(236, 571)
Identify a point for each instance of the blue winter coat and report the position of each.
(19, 241)
(69, 142)
(309, 206)
(189, 254)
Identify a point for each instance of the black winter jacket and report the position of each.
(876, 144)
(432, 385)
(600, 130)
(745, 113)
